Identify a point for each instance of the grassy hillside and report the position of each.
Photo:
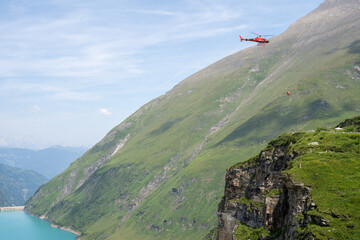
(159, 174)
(331, 169)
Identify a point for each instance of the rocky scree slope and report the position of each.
(159, 174)
(304, 185)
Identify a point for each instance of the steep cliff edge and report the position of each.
(304, 185)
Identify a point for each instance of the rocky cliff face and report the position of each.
(258, 194)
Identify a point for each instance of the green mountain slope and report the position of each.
(159, 174)
(17, 185)
(303, 185)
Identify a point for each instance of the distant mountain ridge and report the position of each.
(160, 173)
(17, 185)
(48, 162)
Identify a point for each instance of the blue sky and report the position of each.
(72, 70)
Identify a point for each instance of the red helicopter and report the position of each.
(259, 39)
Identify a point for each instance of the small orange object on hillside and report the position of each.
(288, 92)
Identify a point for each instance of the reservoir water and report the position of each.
(16, 225)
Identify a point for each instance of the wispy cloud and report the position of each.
(71, 46)
(154, 12)
(49, 91)
(75, 96)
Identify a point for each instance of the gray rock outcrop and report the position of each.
(258, 194)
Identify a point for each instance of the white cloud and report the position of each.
(105, 112)
(35, 109)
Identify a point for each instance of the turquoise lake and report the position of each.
(18, 225)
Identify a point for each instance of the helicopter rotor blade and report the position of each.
(255, 34)
(261, 35)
